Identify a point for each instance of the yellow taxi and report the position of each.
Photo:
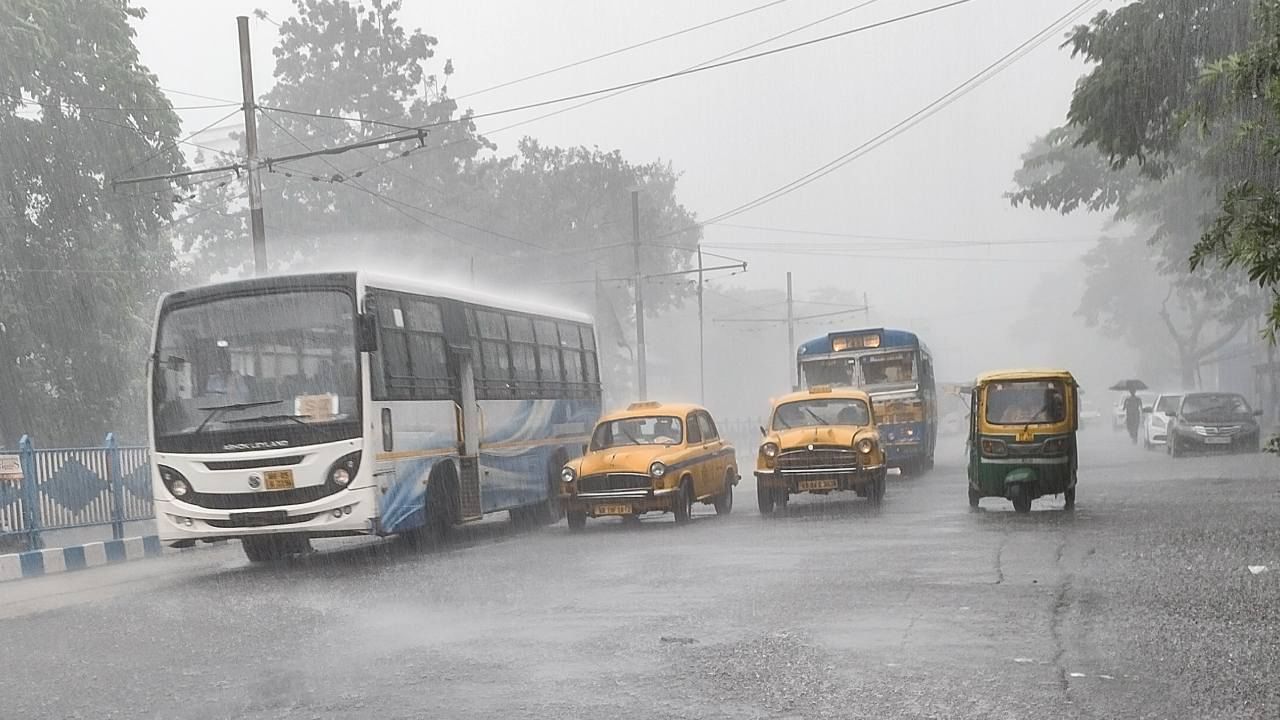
(820, 440)
(651, 457)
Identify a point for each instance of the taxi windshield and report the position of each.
(650, 430)
(824, 411)
(1023, 402)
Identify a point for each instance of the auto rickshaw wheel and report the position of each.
(764, 498)
(1022, 503)
(974, 498)
(1070, 496)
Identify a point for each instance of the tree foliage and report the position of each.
(80, 265)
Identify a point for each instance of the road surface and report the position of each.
(1140, 604)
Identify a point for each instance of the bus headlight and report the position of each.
(658, 469)
(865, 446)
(174, 482)
(769, 450)
(567, 475)
(342, 472)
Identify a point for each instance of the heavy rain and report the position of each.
(750, 359)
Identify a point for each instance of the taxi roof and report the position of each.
(837, 392)
(647, 409)
(1026, 374)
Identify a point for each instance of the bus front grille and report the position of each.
(265, 499)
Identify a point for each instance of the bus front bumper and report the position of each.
(353, 512)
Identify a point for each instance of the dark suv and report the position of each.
(1213, 421)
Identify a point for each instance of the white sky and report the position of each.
(741, 131)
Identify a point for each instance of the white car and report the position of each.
(1155, 419)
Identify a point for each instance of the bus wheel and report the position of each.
(440, 499)
(683, 508)
(273, 548)
(724, 501)
(765, 499)
(550, 510)
(577, 520)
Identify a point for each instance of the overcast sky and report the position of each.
(738, 132)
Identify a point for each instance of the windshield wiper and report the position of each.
(216, 410)
(261, 418)
(630, 437)
(816, 416)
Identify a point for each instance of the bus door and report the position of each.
(470, 424)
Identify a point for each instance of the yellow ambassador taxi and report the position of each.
(651, 457)
(820, 440)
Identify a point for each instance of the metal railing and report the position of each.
(68, 488)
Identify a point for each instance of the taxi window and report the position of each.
(654, 430)
(821, 411)
(707, 427)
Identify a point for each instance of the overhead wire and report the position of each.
(972, 83)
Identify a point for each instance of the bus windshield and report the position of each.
(892, 368)
(1024, 402)
(826, 411)
(283, 359)
(655, 430)
(889, 368)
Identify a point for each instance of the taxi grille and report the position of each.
(613, 482)
(819, 458)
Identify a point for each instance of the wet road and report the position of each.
(1138, 605)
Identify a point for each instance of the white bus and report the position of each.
(326, 405)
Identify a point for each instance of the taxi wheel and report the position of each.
(577, 520)
(724, 501)
(683, 508)
(765, 499)
(876, 492)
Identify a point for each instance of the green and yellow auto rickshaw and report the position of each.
(1022, 436)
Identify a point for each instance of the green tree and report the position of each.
(79, 264)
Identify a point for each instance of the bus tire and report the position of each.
(683, 507)
(441, 501)
(724, 501)
(273, 548)
(549, 511)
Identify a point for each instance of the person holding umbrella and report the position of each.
(1132, 406)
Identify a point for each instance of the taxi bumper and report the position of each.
(820, 480)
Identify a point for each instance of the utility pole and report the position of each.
(641, 372)
(256, 221)
(866, 308)
(702, 340)
(791, 334)
(473, 272)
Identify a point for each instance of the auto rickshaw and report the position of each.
(1022, 437)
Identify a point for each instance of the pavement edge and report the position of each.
(49, 561)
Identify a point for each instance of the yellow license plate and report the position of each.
(613, 510)
(278, 479)
(819, 484)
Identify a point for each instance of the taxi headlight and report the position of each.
(567, 475)
(769, 450)
(865, 446)
(658, 469)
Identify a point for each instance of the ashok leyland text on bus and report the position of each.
(294, 407)
(896, 369)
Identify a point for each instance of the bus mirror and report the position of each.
(367, 335)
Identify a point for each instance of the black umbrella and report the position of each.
(1131, 385)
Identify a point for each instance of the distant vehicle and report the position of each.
(896, 369)
(1156, 418)
(1022, 437)
(820, 440)
(292, 407)
(1214, 422)
(1089, 414)
(651, 457)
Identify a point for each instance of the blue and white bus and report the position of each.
(324, 405)
(896, 369)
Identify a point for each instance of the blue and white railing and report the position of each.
(70, 488)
